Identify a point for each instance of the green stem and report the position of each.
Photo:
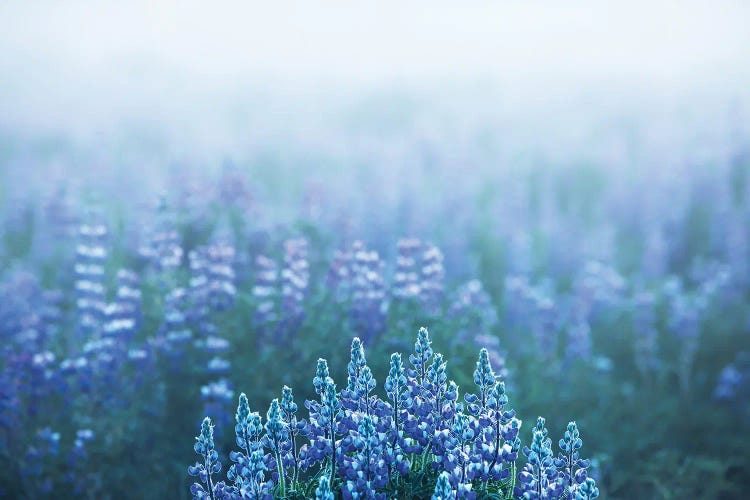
(280, 468)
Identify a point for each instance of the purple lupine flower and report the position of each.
(544, 325)
(174, 332)
(599, 287)
(207, 467)
(295, 278)
(265, 292)
(457, 456)
(296, 427)
(124, 316)
(432, 275)
(733, 383)
(730, 380)
(51, 311)
(163, 248)
(220, 275)
(200, 308)
(518, 301)
(278, 440)
(248, 471)
(368, 293)
(91, 257)
(365, 470)
(496, 428)
(474, 312)
(400, 404)
(539, 478)
(572, 467)
(406, 279)
(339, 276)
(59, 214)
(35, 471)
(78, 474)
(325, 423)
(216, 397)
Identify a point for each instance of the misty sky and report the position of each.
(87, 64)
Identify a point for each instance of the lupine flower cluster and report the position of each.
(419, 274)
(356, 279)
(362, 446)
(162, 249)
(91, 256)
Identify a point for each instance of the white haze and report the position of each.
(210, 76)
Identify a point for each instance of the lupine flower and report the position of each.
(163, 249)
(432, 275)
(733, 384)
(497, 429)
(46, 447)
(295, 279)
(77, 461)
(599, 287)
(443, 489)
(365, 471)
(458, 459)
(220, 275)
(406, 282)
(265, 293)
(544, 326)
(339, 276)
(539, 477)
(587, 491)
(572, 467)
(323, 491)
(278, 440)
(207, 467)
(421, 356)
(730, 379)
(91, 257)
(216, 396)
(174, 332)
(473, 310)
(518, 300)
(200, 308)
(368, 294)
(398, 393)
(296, 427)
(123, 316)
(324, 424)
(248, 471)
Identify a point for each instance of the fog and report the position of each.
(210, 79)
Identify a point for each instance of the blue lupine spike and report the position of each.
(277, 439)
(324, 491)
(587, 490)
(321, 376)
(539, 477)
(205, 470)
(422, 354)
(356, 363)
(443, 489)
(365, 470)
(289, 412)
(573, 468)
